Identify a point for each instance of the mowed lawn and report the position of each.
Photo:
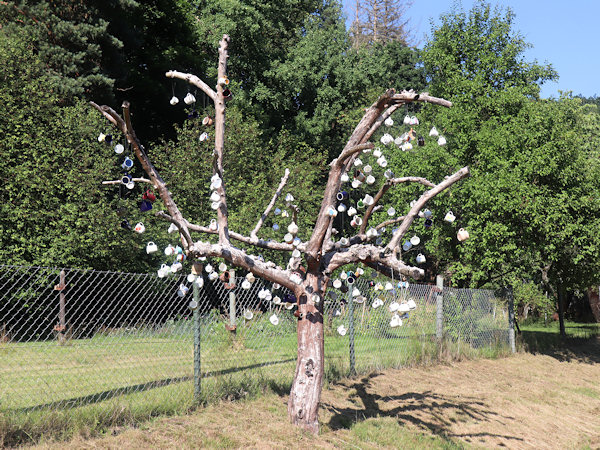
(527, 401)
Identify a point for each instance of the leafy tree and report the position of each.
(530, 204)
(54, 210)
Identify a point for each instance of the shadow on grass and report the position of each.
(582, 348)
(105, 395)
(439, 412)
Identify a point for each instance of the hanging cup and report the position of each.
(127, 163)
(406, 246)
(169, 250)
(151, 247)
(145, 206)
(213, 225)
(293, 228)
(189, 99)
(358, 175)
(149, 195)
(174, 100)
(119, 148)
(462, 235)
(223, 81)
(207, 121)
(420, 258)
(342, 195)
(126, 179)
(449, 217)
(172, 228)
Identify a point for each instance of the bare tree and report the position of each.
(307, 276)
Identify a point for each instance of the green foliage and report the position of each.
(53, 208)
(531, 201)
(528, 294)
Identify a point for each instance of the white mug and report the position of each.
(139, 227)
(151, 247)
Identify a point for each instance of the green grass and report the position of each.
(537, 337)
(123, 377)
(388, 433)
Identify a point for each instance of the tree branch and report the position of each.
(193, 80)
(271, 204)
(127, 129)
(387, 113)
(368, 254)
(388, 184)
(136, 180)
(222, 216)
(385, 223)
(351, 151)
(414, 211)
(241, 259)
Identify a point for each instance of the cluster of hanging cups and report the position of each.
(127, 184)
(399, 307)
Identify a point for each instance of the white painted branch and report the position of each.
(271, 204)
(222, 215)
(136, 180)
(414, 211)
(193, 80)
(369, 254)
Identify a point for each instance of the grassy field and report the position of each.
(126, 376)
(515, 402)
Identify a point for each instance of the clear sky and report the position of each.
(563, 33)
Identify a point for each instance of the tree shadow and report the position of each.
(570, 349)
(428, 411)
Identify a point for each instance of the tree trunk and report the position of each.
(305, 395)
(561, 310)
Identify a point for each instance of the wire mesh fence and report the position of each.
(73, 337)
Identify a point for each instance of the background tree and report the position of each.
(530, 168)
(52, 211)
(380, 22)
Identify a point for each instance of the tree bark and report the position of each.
(561, 310)
(305, 395)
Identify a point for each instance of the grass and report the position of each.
(511, 402)
(540, 337)
(127, 376)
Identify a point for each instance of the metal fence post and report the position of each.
(511, 318)
(439, 318)
(232, 310)
(197, 372)
(351, 333)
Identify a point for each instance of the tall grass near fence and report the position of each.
(128, 350)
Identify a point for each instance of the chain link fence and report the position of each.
(76, 337)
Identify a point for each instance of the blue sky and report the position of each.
(563, 34)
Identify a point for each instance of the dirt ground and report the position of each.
(539, 401)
